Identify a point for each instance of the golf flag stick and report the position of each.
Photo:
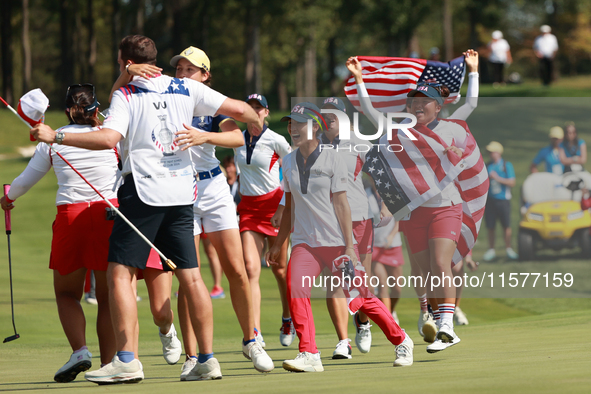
(8, 227)
(168, 262)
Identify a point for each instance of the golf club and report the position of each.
(8, 226)
(168, 262)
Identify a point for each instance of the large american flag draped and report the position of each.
(389, 79)
(407, 179)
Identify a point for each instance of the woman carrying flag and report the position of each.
(433, 228)
(315, 184)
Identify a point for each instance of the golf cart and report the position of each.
(551, 214)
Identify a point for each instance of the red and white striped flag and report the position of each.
(407, 179)
(389, 79)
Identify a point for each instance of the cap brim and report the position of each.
(175, 60)
(296, 117)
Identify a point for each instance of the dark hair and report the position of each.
(227, 160)
(444, 91)
(138, 49)
(209, 79)
(77, 99)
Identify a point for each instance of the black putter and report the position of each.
(8, 231)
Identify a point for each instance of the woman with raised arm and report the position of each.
(80, 210)
(432, 231)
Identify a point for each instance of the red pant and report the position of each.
(307, 262)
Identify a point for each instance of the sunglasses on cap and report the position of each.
(73, 89)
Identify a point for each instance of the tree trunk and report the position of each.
(139, 17)
(6, 50)
(91, 43)
(282, 91)
(67, 58)
(253, 50)
(332, 65)
(115, 37)
(79, 54)
(26, 48)
(310, 66)
(447, 30)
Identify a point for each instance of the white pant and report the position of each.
(214, 209)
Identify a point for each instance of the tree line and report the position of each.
(280, 48)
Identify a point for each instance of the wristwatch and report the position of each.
(59, 137)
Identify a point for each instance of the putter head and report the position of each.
(11, 338)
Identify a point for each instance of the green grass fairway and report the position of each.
(512, 345)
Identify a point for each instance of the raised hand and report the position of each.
(354, 66)
(471, 57)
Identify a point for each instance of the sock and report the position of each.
(447, 313)
(423, 301)
(437, 317)
(81, 349)
(125, 357)
(284, 320)
(247, 342)
(204, 357)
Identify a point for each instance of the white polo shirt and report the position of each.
(148, 113)
(498, 51)
(355, 190)
(99, 167)
(546, 44)
(258, 162)
(315, 222)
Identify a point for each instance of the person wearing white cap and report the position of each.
(545, 48)
(498, 204)
(499, 55)
(550, 154)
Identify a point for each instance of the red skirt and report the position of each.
(388, 256)
(81, 237)
(256, 212)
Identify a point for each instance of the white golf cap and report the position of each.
(545, 29)
(32, 106)
(497, 34)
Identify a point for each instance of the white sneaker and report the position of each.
(261, 360)
(363, 335)
(459, 317)
(287, 333)
(423, 317)
(404, 353)
(439, 345)
(188, 365)
(78, 363)
(446, 332)
(117, 372)
(395, 316)
(259, 338)
(429, 329)
(304, 362)
(343, 350)
(489, 255)
(171, 346)
(209, 370)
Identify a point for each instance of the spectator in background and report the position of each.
(434, 54)
(573, 150)
(550, 155)
(499, 54)
(545, 48)
(498, 205)
(232, 177)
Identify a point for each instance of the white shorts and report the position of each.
(214, 209)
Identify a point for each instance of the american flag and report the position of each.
(389, 79)
(407, 179)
